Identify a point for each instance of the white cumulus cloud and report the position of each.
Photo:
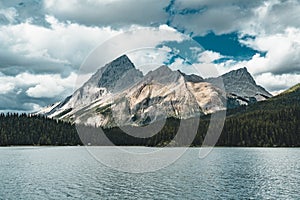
(54, 49)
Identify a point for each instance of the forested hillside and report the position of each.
(275, 122)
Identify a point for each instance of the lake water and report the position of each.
(226, 173)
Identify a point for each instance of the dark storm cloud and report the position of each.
(189, 16)
(14, 63)
(110, 13)
(199, 17)
(19, 100)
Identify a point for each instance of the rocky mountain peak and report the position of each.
(163, 75)
(191, 78)
(116, 75)
(122, 61)
(241, 85)
(162, 70)
(239, 75)
(117, 70)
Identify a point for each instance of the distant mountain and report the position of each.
(118, 94)
(240, 87)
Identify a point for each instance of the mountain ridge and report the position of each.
(119, 86)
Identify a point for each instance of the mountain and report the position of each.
(164, 93)
(118, 94)
(240, 87)
(115, 76)
(160, 94)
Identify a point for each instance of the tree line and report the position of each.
(272, 123)
(261, 128)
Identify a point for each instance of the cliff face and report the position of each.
(240, 87)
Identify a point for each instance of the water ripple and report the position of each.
(227, 173)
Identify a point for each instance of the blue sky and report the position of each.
(44, 42)
(227, 45)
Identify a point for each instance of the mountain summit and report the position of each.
(240, 87)
(116, 75)
(118, 94)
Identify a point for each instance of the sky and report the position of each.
(44, 42)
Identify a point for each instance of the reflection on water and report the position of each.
(70, 172)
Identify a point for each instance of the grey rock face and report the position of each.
(192, 77)
(240, 87)
(119, 74)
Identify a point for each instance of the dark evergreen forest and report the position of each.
(23, 129)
